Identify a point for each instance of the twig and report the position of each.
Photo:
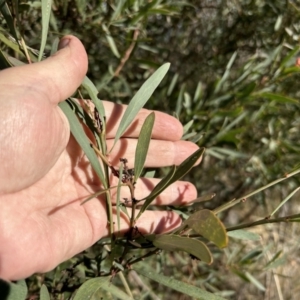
(292, 218)
(127, 53)
(137, 279)
(126, 286)
(243, 199)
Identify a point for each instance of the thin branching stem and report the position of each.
(141, 258)
(234, 202)
(291, 218)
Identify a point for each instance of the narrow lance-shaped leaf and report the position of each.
(54, 46)
(46, 11)
(84, 117)
(99, 288)
(93, 92)
(208, 225)
(4, 9)
(11, 44)
(174, 175)
(119, 195)
(179, 243)
(111, 41)
(81, 6)
(285, 200)
(118, 10)
(15, 62)
(178, 285)
(244, 235)
(226, 73)
(187, 165)
(16, 291)
(4, 62)
(187, 126)
(143, 145)
(157, 190)
(255, 281)
(44, 293)
(81, 138)
(288, 57)
(140, 98)
(277, 97)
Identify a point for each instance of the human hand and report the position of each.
(45, 176)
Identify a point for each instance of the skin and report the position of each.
(44, 175)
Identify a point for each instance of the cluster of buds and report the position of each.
(97, 120)
(127, 175)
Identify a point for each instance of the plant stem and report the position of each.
(126, 286)
(144, 256)
(234, 202)
(291, 218)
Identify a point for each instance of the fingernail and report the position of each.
(63, 43)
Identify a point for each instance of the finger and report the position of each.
(150, 222)
(165, 127)
(55, 78)
(34, 129)
(160, 153)
(179, 193)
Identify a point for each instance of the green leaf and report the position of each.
(54, 46)
(254, 281)
(81, 6)
(177, 285)
(179, 243)
(157, 190)
(226, 73)
(172, 84)
(13, 291)
(251, 257)
(187, 126)
(15, 62)
(207, 224)
(143, 145)
(243, 235)
(44, 294)
(187, 165)
(277, 260)
(82, 140)
(4, 62)
(9, 43)
(290, 55)
(46, 11)
(246, 90)
(204, 198)
(93, 92)
(123, 208)
(140, 98)
(118, 206)
(111, 41)
(4, 9)
(285, 200)
(198, 94)
(230, 136)
(277, 97)
(180, 100)
(99, 288)
(174, 175)
(118, 10)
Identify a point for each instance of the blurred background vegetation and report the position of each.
(234, 80)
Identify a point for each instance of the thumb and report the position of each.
(56, 77)
(32, 126)
(67, 68)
